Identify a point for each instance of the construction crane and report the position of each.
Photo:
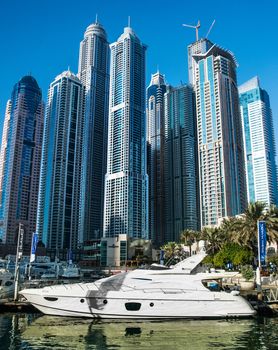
(210, 28)
(195, 27)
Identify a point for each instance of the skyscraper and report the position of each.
(60, 181)
(93, 72)
(20, 160)
(220, 145)
(181, 179)
(4, 143)
(126, 209)
(156, 145)
(259, 144)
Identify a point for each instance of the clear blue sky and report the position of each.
(42, 37)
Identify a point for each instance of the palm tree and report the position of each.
(188, 237)
(214, 238)
(172, 250)
(198, 238)
(271, 219)
(246, 227)
(228, 228)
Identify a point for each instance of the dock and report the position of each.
(7, 305)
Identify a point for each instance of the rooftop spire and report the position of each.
(96, 18)
(128, 22)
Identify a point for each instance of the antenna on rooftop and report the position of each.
(195, 27)
(128, 23)
(210, 28)
(96, 18)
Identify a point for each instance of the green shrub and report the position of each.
(247, 272)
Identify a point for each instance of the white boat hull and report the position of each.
(156, 306)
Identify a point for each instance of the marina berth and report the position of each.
(155, 293)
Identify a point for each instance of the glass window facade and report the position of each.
(20, 160)
(125, 207)
(259, 145)
(60, 182)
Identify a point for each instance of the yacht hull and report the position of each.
(158, 306)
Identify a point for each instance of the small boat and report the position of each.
(177, 292)
(6, 284)
(71, 271)
(49, 275)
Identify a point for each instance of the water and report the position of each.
(22, 331)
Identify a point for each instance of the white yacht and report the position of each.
(157, 293)
(71, 271)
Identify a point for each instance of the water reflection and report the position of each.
(46, 332)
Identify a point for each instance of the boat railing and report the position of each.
(169, 290)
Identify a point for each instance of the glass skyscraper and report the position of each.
(125, 207)
(181, 180)
(60, 181)
(155, 150)
(20, 161)
(220, 144)
(93, 72)
(259, 144)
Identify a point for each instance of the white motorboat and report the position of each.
(71, 271)
(51, 274)
(156, 293)
(6, 284)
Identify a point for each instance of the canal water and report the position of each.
(30, 331)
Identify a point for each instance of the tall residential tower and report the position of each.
(126, 210)
(60, 181)
(181, 180)
(156, 151)
(20, 160)
(220, 144)
(259, 144)
(93, 72)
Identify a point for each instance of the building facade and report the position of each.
(93, 72)
(60, 181)
(220, 144)
(259, 143)
(155, 163)
(125, 207)
(181, 179)
(20, 161)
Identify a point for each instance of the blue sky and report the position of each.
(42, 37)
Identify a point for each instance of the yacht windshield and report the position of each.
(114, 282)
(215, 285)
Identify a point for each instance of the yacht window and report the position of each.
(142, 279)
(50, 299)
(8, 283)
(213, 285)
(133, 306)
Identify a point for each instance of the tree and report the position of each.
(188, 237)
(245, 228)
(271, 219)
(173, 251)
(232, 253)
(214, 239)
